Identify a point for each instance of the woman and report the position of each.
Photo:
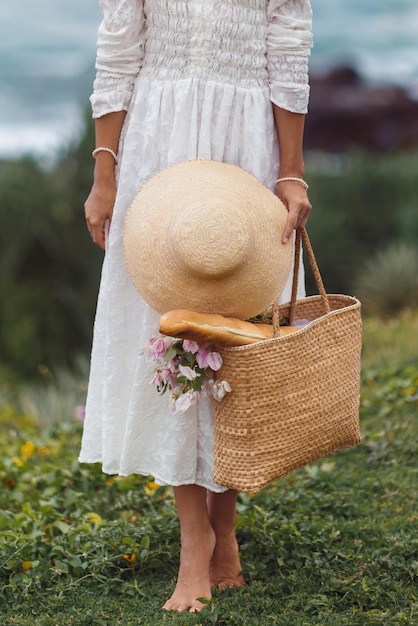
(177, 80)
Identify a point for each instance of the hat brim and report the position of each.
(213, 207)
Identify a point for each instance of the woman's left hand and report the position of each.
(295, 198)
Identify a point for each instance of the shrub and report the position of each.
(49, 270)
(361, 204)
(388, 284)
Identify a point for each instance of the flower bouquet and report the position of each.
(185, 368)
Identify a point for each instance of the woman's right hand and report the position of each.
(98, 209)
(99, 205)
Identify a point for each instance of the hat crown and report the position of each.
(210, 240)
(205, 236)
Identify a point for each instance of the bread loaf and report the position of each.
(213, 328)
(286, 330)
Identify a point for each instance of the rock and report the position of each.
(345, 112)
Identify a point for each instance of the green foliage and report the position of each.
(394, 341)
(333, 544)
(49, 271)
(48, 400)
(361, 204)
(388, 283)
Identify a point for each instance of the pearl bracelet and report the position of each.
(109, 150)
(294, 179)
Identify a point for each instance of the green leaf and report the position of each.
(75, 561)
(62, 566)
(62, 527)
(129, 541)
(169, 354)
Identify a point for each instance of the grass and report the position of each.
(334, 544)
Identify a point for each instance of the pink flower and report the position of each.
(161, 345)
(172, 404)
(188, 372)
(80, 412)
(168, 372)
(186, 400)
(220, 389)
(156, 347)
(179, 364)
(190, 346)
(157, 379)
(206, 358)
(170, 366)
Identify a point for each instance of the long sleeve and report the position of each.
(120, 45)
(289, 42)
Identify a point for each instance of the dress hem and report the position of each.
(158, 479)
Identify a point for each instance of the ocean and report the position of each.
(47, 51)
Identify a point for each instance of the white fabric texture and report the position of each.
(197, 78)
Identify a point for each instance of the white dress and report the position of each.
(197, 78)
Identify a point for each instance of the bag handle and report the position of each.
(302, 235)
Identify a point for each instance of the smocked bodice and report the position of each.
(249, 44)
(212, 39)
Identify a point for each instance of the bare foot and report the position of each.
(225, 564)
(193, 577)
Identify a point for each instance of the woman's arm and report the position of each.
(120, 46)
(100, 202)
(294, 196)
(289, 41)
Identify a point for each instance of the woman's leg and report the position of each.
(197, 544)
(225, 565)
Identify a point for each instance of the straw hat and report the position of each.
(206, 236)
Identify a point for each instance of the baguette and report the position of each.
(213, 328)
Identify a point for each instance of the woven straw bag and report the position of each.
(294, 398)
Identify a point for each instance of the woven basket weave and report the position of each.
(294, 398)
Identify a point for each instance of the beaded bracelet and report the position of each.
(294, 179)
(109, 150)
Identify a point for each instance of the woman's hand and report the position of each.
(289, 127)
(98, 209)
(295, 198)
(99, 205)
